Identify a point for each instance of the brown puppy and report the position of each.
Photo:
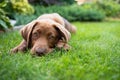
(45, 33)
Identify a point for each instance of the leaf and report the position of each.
(7, 21)
(3, 4)
(2, 12)
(3, 25)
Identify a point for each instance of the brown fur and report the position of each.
(45, 33)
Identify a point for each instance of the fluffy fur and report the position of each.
(45, 33)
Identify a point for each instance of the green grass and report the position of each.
(95, 55)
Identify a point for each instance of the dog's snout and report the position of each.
(40, 51)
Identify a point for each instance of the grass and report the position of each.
(95, 55)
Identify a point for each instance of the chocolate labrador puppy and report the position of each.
(45, 33)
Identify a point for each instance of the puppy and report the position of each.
(44, 34)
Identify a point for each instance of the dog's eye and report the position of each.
(51, 37)
(35, 35)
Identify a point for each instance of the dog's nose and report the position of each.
(40, 51)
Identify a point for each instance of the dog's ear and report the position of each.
(65, 34)
(26, 32)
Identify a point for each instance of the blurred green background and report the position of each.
(24, 11)
(95, 52)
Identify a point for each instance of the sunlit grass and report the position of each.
(95, 55)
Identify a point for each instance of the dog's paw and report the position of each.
(18, 49)
(14, 50)
(64, 46)
(67, 47)
(60, 45)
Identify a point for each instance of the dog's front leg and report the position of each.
(63, 45)
(21, 47)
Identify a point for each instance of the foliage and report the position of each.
(95, 55)
(51, 2)
(24, 19)
(18, 6)
(71, 12)
(109, 8)
(22, 6)
(4, 20)
(68, 1)
(95, 11)
(79, 13)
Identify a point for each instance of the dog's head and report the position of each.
(43, 35)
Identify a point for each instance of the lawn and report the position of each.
(95, 55)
